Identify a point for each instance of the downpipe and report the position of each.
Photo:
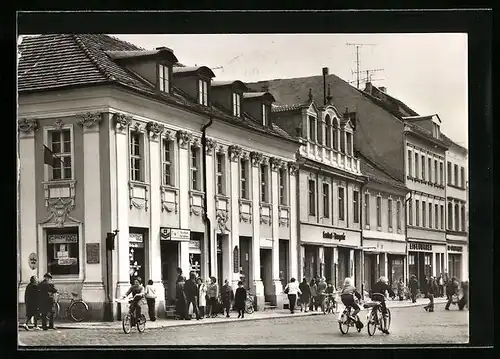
(208, 224)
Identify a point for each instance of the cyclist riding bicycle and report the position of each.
(137, 290)
(378, 294)
(347, 295)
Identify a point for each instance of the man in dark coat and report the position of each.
(227, 297)
(180, 298)
(431, 291)
(239, 300)
(451, 290)
(31, 301)
(306, 294)
(191, 292)
(47, 290)
(413, 285)
(464, 301)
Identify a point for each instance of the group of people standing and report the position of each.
(39, 299)
(204, 297)
(308, 295)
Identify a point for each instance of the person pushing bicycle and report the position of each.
(137, 290)
(347, 295)
(378, 294)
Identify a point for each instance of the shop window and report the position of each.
(60, 143)
(63, 251)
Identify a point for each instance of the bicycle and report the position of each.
(345, 321)
(329, 303)
(77, 309)
(249, 308)
(375, 318)
(129, 320)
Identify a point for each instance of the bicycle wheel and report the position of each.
(372, 323)
(141, 323)
(344, 323)
(249, 309)
(78, 311)
(126, 323)
(388, 319)
(55, 310)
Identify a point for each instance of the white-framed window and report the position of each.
(326, 200)
(244, 178)
(236, 104)
(167, 162)
(410, 212)
(319, 131)
(415, 174)
(355, 205)
(163, 78)
(60, 142)
(410, 167)
(379, 211)
(203, 92)
(450, 216)
(367, 209)
(264, 180)
(136, 156)
(455, 177)
(265, 115)
(398, 214)
(449, 172)
(436, 172)
(441, 173)
(341, 203)
(422, 166)
(282, 186)
(63, 251)
(312, 197)
(464, 220)
(442, 216)
(436, 216)
(195, 168)
(328, 133)
(424, 214)
(335, 134)
(462, 177)
(429, 170)
(417, 212)
(430, 215)
(220, 172)
(312, 129)
(457, 219)
(389, 212)
(348, 150)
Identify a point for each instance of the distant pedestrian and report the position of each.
(227, 297)
(31, 301)
(400, 289)
(202, 297)
(180, 297)
(321, 292)
(452, 292)
(314, 295)
(440, 285)
(292, 290)
(212, 295)
(464, 300)
(431, 291)
(413, 285)
(191, 293)
(305, 296)
(47, 291)
(240, 299)
(150, 294)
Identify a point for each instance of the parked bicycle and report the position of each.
(130, 320)
(249, 308)
(76, 310)
(375, 318)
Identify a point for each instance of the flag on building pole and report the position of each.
(49, 157)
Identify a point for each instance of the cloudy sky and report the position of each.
(426, 71)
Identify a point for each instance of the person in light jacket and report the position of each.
(202, 297)
(292, 289)
(150, 294)
(212, 294)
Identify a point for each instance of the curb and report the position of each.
(177, 323)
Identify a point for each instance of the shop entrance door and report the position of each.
(169, 251)
(245, 254)
(328, 252)
(266, 272)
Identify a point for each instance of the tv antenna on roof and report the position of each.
(357, 59)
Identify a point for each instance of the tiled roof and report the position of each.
(375, 173)
(60, 61)
(392, 102)
(285, 108)
(253, 94)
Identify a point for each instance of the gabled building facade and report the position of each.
(115, 137)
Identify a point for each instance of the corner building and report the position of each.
(126, 151)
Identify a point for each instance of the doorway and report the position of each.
(219, 259)
(245, 257)
(137, 255)
(328, 252)
(266, 272)
(283, 262)
(169, 251)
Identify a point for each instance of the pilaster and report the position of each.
(258, 286)
(234, 237)
(352, 274)
(184, 139)
(278, 287)
(294, 237)
(210, 195)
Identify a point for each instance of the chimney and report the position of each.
(325, 74)
(368, 87)
(383, 89)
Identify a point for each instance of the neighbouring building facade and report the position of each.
(330, 183)
(191, 172)
(457, 226)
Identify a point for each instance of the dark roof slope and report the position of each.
(64, 60)
(376, 174)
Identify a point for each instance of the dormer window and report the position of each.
(203, 92)
(265, 115)
(163, 78)
(435, 130)
(236, 104)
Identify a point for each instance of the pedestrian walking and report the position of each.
(227, 297)
(321, 291)
(292, 290)
(400, 289)
(305, 289)
(202, 297)
(31, 301)
(212, 294)
(464, 300)
(47, 291)
(413, 288)
(446, 280)
(431, 291)
(440, 285)
(191, 293)
(239, 299)
(150, 294)
(313, 304)
(180, 297)
(451, 292)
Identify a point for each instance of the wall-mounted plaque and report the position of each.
(93, 253)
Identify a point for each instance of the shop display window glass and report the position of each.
(63, 251)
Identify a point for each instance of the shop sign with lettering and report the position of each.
(175, 234)
(62, 238)
(416, 246)
(455, 249)
(333, 235)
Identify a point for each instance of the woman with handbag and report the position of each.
(292, 290)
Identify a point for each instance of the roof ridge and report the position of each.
(87, 53)
(126, 42)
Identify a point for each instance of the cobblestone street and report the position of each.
(411, 325)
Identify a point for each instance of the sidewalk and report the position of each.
(260, 315)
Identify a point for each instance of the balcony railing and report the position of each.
(331, 157)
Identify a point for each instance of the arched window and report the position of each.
(328, 134)
(335, 134)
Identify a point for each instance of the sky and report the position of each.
(428, 72)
